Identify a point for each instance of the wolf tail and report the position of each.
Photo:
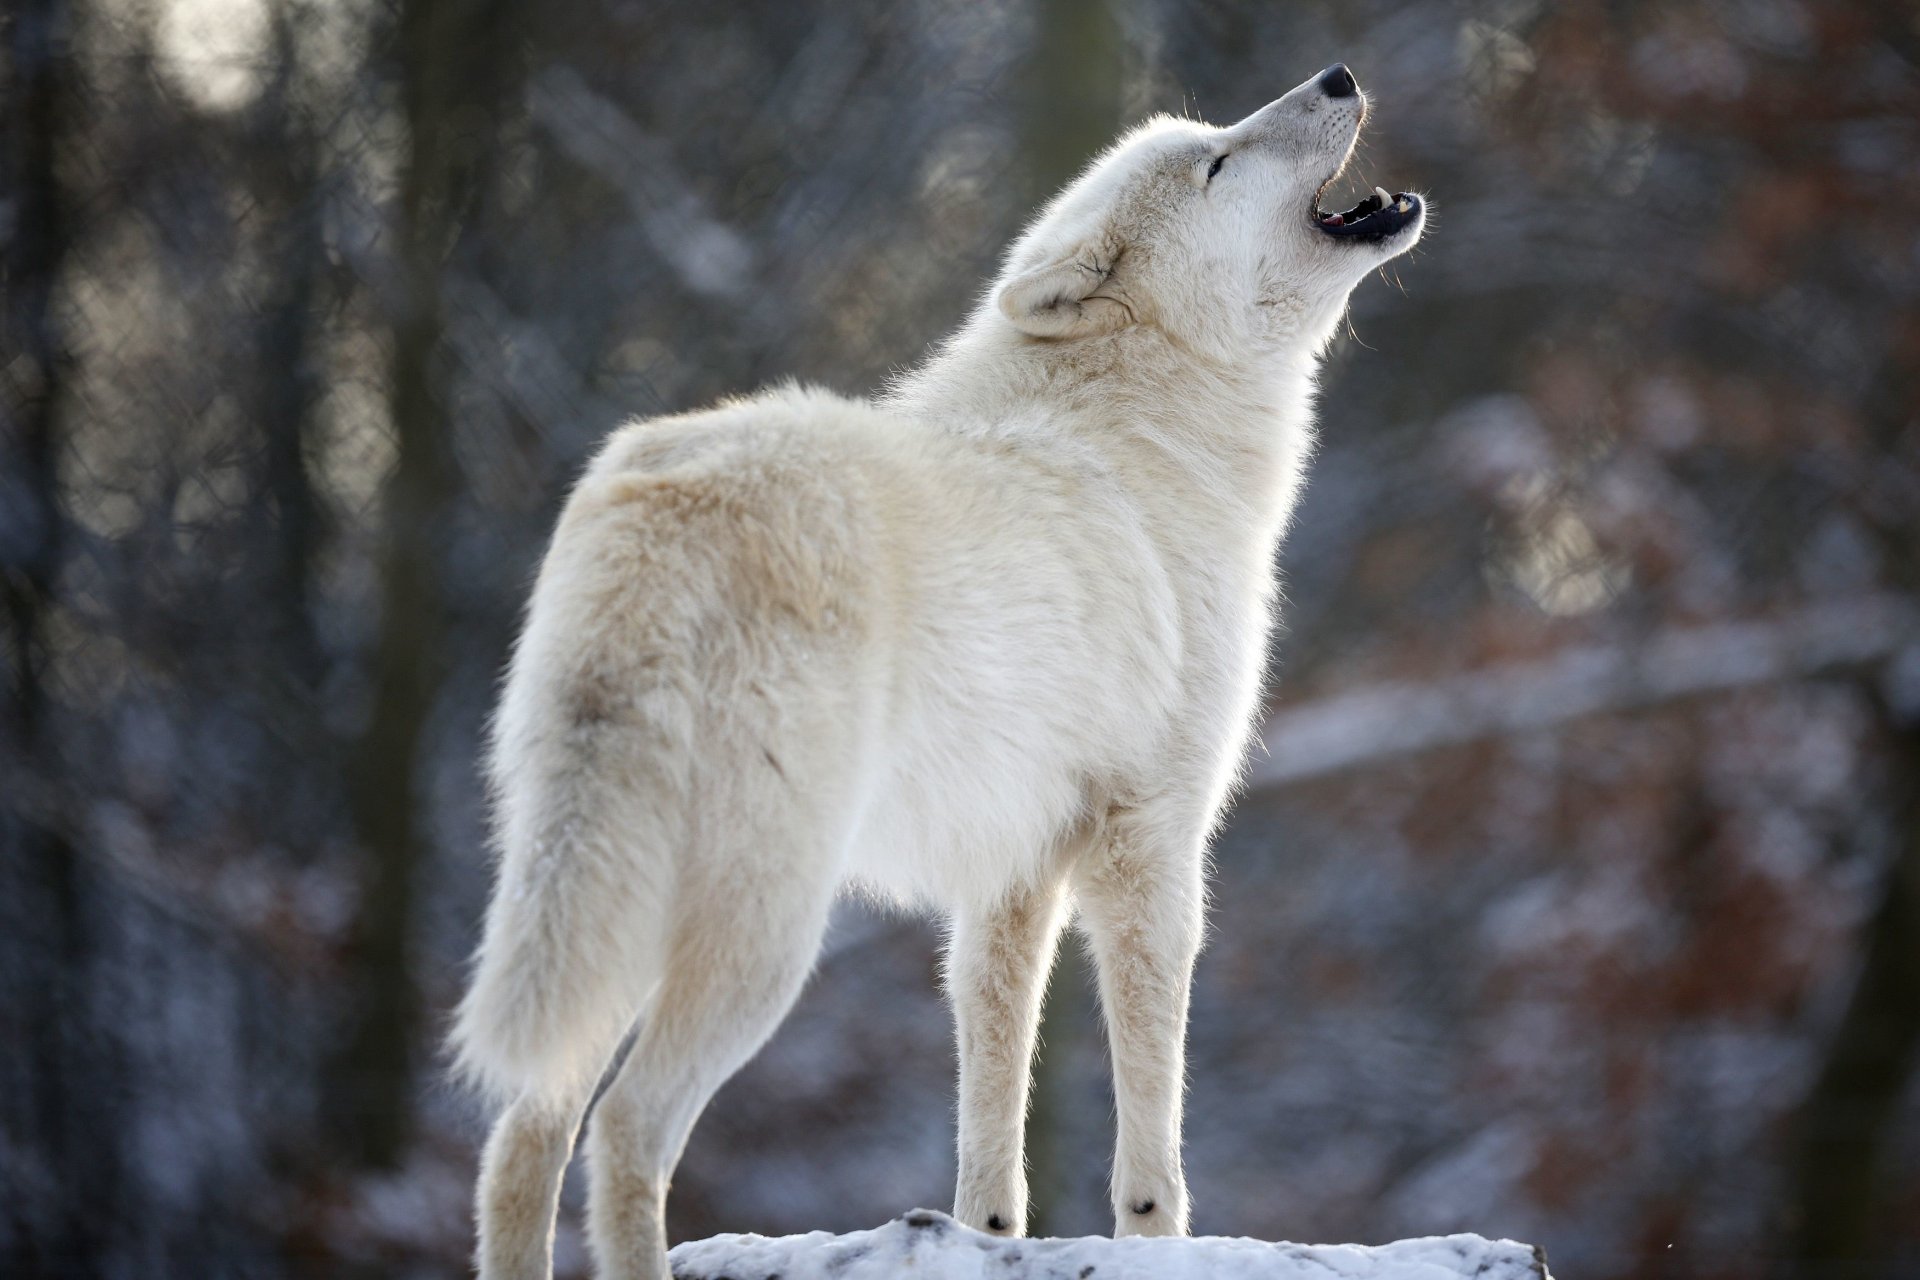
(589, 757)
(573, 941)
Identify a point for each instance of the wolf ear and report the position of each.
(1066, 298)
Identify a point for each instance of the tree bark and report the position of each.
(290, 182)
(1840, 1208)
(56, 1099)
(1847, 1118)
(453, 56)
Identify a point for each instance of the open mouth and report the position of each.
(1375, 218)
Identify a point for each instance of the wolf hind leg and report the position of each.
(747, 926)
(520, 1174)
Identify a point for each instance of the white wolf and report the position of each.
(989, 644)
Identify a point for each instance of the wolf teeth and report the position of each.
(1403, 206)
(1385, 199)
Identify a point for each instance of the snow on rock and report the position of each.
(927, 1245)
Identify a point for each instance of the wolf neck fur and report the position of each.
(1226, 440)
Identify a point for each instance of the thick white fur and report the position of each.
(989, 644)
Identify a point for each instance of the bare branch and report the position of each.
(1403, 717)
(711, 258)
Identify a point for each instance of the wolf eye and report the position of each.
(1215, 166)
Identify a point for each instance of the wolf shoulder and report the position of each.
(1021, 516)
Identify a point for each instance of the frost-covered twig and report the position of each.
(1402, 717)
(932, 1246)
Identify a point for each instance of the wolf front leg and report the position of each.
(997, 965)
(1142, 899)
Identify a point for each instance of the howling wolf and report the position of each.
(989, 643)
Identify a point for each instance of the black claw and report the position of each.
(1144, 1207)
(995, 1224)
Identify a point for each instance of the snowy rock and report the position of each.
(931, 1246)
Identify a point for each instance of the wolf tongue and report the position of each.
(1334, 220)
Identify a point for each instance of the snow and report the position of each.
(928, 1245)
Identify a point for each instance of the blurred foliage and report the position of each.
(313, 308)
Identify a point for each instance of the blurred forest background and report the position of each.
(1575, 897)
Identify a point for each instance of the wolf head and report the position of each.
(1213, 236)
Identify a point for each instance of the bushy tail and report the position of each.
(590, 820)
(574, 935)
(593, 757)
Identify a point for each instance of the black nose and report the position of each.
(1337, 82)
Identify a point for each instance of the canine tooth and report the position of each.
(1385, 199)
(1403, 206)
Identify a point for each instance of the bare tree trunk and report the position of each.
(453, 57)
(1847, 1118)
(55, 1102)
(1844, 1125)
(291, 190)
